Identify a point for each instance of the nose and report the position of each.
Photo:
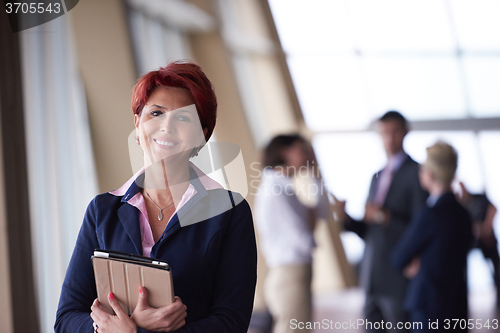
(168, 123)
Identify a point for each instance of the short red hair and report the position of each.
(182, 75)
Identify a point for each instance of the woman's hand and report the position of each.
(165, 319)
(376, 215)
(107, 323)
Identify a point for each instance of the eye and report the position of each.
(156, 113)
(183, 117)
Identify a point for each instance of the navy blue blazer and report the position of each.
(441, 236)
(214, 262)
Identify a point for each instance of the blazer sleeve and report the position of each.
(78, 290)
(418, 197)
(359, 227)
(235, 279)
(414, 240)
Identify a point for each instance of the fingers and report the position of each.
(177, 305)
(115, 305)
(177, 315)
(167, 318)
(181, 308)
(174, 314)
(142, 302)
(97, 311)
(181, 321)
(94, 317)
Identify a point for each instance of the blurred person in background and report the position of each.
(395, 195)
(170, 210)
(483, 212)
(439, 238)
(285, 226)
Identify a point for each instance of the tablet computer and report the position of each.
(123, 273)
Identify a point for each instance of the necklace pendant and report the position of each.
(160, 216)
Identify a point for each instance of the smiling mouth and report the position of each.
(165, 143)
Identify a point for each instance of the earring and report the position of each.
(137, 140)
(194, 152)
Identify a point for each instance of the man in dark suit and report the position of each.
(395, 195)
(440, 235)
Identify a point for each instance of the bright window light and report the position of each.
(477, 24)
(352, 60)
(402, 26)
(483, 83)
(433, 60)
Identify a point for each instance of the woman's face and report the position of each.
(297, 155)
(169, 126)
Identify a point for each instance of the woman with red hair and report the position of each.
(173, 212)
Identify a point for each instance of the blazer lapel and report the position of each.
(129, 218)
(373, 187)
(184, 216)
(395, 179)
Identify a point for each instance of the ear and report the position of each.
(137, 119)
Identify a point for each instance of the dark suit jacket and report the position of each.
(404, 198)
(214, 262)
(441, 235)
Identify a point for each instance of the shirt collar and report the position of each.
(432, 199)
(198, 179)
(397, 160)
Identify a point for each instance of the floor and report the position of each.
(340, 311)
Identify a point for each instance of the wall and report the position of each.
(107, 67)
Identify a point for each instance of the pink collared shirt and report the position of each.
(138, 201)
(386, 176)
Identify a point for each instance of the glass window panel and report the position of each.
(312, 26)
(477, 23)
(395, 25)
(421, 88)
(483, 82)
(353, 247)
(330, 91)
(489, 141)
(469, 169)
(479, 274)
(348, 162)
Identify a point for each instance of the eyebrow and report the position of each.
(181, 109)
(158, 106)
